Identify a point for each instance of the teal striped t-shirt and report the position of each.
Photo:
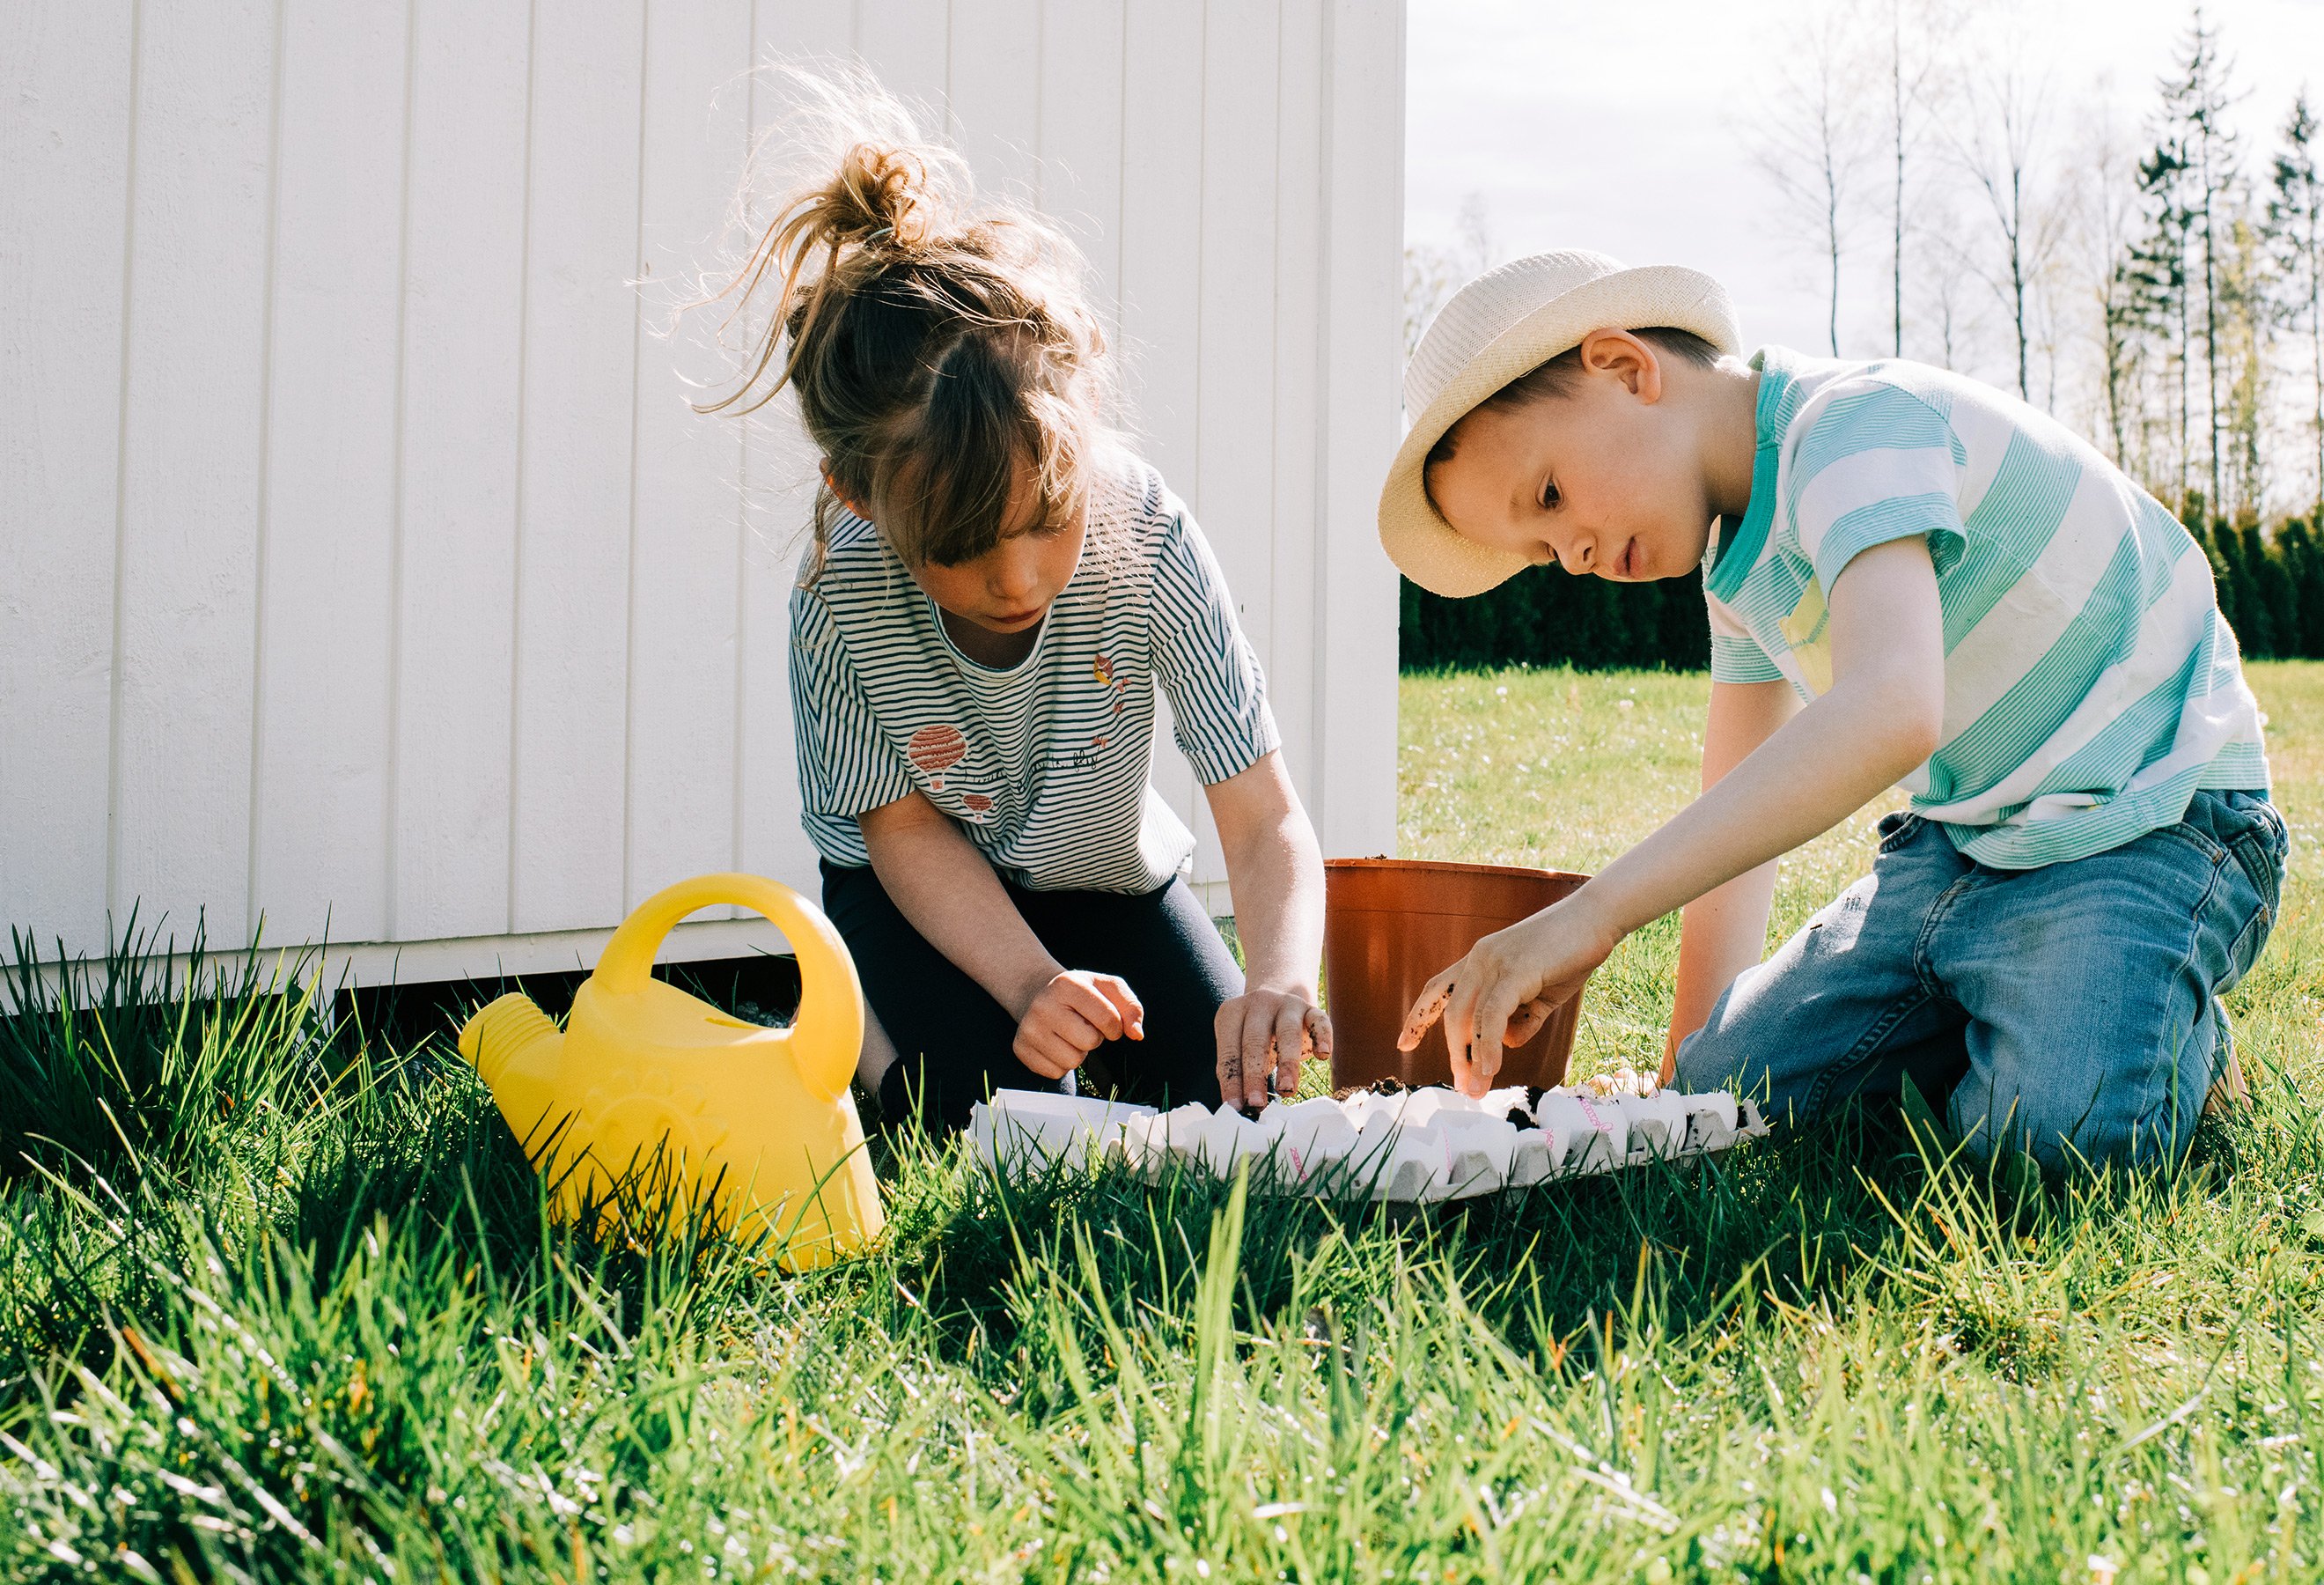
(2091, 685)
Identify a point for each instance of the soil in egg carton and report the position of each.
(1523, 1119)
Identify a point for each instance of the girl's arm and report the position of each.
(1883, 716)
(1275, 871)
(1725, 929)
(944, 885)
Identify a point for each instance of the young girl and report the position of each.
(995, 588)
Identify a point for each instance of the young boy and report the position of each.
(1913, 580)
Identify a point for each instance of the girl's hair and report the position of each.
(939, 348)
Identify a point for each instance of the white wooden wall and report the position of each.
(362, 565)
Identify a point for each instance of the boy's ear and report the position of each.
(1625, 358)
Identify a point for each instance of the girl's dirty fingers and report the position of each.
(1295, 1048)
(1317, 1029)
(1257, 1052)
(1290, 1044)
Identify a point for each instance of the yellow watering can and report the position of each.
(649, 1083)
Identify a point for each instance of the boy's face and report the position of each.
(1604, 479)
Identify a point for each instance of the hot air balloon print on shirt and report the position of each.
(936, 749)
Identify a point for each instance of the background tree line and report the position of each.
(2160, 287)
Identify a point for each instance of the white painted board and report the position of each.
(366, 568)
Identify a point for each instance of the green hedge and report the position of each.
(2271, 585)
(1545, 617)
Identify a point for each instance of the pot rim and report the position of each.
(1447, 865)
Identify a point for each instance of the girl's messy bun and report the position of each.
(937, 349)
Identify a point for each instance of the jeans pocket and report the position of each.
(2249, 944)
(2261, 845)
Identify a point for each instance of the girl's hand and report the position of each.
(1264, 1033)
(1072, 1015)
(1507, 985)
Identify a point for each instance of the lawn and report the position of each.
(276, 1300)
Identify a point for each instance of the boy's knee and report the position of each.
(1723, 1056)
(2122, 1121)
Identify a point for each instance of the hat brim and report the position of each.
(1412, 531)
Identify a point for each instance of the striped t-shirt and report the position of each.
(2091, 684)
(1044, 765)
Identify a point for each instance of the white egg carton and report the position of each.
(1418, 1145)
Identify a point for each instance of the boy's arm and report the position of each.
(1726, 928)
(940, 883)
(1275, 872)
(1883, 716)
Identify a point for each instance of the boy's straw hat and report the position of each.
(1508, 323)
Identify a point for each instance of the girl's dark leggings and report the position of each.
(953, 1040)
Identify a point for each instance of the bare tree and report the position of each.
(1814, 141)
(2003, 147)
(2109, 235)
(1433, 273)
(1913, 72)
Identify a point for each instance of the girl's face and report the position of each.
(1009, 588)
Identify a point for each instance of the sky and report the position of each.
(1625, 127)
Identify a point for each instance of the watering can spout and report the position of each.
(514, 1048)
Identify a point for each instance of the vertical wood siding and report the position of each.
(362, 565)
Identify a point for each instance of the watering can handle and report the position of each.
(831, 999)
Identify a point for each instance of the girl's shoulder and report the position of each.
(855, 575)
(856, 562)
(1134, 511)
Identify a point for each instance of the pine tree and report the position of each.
(2303, 563)
(2195, 102)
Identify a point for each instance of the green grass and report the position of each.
(279, 1302)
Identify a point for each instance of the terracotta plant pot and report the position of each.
(1389, 924)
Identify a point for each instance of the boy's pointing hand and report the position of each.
(1501, 993)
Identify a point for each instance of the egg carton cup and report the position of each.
(1027, 1132)
(1418, 1145)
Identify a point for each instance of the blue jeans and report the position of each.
(2071, 1011)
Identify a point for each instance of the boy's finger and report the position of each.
(1464, 1072)
(1425, 1010)
(1526, 1022)
(1319, 1034)
(1460, 1019)
(1492, 1016)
